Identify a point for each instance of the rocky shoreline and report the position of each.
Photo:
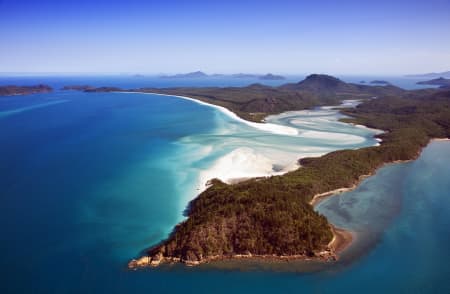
(327, 255)
(341, 241)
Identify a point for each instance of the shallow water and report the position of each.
(88, 183)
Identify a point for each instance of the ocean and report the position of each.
(89, 180)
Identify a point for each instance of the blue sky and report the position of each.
(289, 37)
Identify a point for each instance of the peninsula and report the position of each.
(24, 90)
(273, 217)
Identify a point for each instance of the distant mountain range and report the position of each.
(200, 74)
(445, 74)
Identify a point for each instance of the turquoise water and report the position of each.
(90, 180)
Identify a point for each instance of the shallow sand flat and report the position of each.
(243, 150)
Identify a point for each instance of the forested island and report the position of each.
(24, 90)
(273, 217)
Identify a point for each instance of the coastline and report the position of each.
(341, 240)
(440, 139)
(322, 196)
(274, 128)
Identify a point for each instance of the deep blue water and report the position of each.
(87, 181)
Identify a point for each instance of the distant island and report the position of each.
(442, 82)
(200, 74)
(24, 90)
(445, 74)
(270, 76)
(87, 88)
(195, 74)
(244, 76)
(77, 88)
(273, 217)
(380, 82)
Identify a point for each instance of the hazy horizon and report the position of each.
(161, 74)
(286, 37)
